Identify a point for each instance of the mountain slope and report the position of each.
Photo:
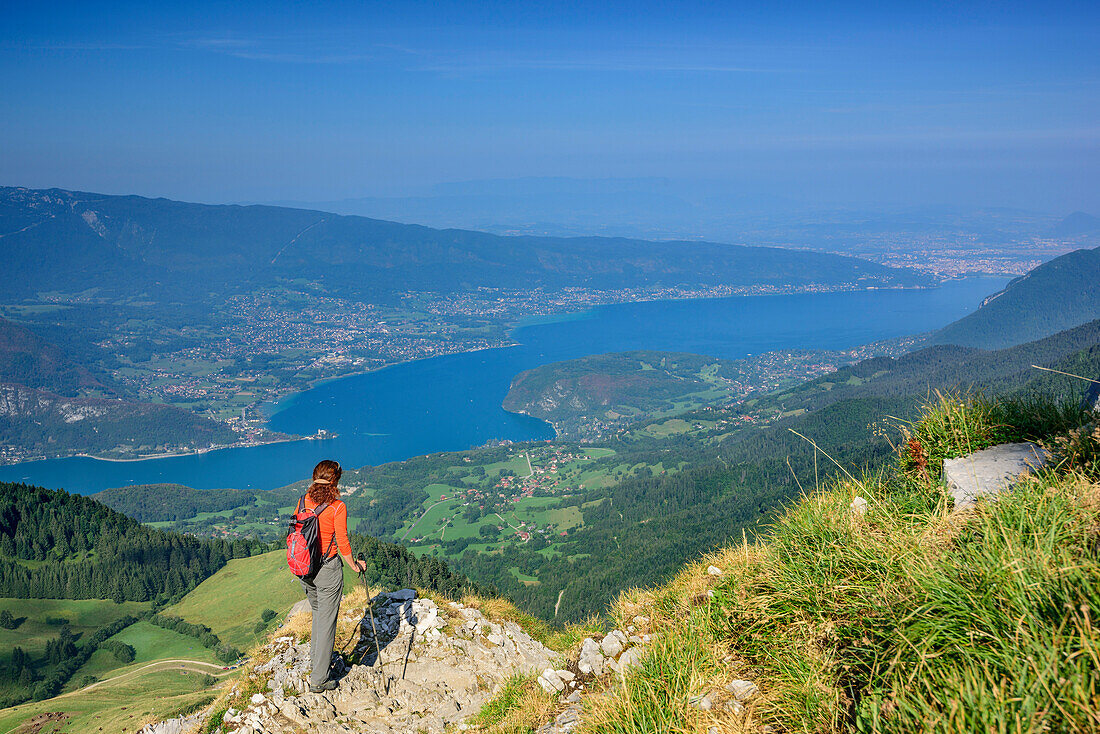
(1077, 223)
(892, 614)
(52, 406)
(67, 240)
(1056, 295)
(59, 545)
(29, 360)
(728, 483)
(941, 368)
(37, 421)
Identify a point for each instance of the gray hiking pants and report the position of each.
(324, 592)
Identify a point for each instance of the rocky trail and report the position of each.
(432, 667)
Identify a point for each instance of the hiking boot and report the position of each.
(326, 686)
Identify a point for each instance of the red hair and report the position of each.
(326, 478)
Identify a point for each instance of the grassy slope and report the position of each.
(150, 643)
(230, 601)
(84, 615)
(117, 707)
(908, 618)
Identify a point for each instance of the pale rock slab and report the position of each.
(991, 470)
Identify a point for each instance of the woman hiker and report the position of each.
(325, 589)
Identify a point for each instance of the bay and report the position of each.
(453, 402)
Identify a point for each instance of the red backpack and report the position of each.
(303, 541)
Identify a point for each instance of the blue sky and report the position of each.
(825, 104)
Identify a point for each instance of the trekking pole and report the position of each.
(358, 626)
(412, 636)
(373, 626)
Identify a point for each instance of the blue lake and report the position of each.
(451, 403)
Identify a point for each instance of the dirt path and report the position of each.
(191, 665)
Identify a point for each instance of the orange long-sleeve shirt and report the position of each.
(332, 521)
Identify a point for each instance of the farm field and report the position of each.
(507, 501)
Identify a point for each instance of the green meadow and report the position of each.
(230, 601)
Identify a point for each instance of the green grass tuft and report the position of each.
(907, 618)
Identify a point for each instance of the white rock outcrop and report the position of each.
(991, 470)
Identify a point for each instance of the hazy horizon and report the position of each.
(988, 105)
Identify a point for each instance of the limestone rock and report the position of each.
(565, 722)
(630, 659)
(591, 660)
(412, 677)
(173, 726)
(858, 507)
(991, 470)
(702, 702)
(714, 571)
(742, 690)
(550, 681)
(613, 644)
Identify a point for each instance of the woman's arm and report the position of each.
(340, 526)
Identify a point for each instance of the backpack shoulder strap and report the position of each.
(301, 504)
(317, 513)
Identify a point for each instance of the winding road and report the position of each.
(191, 665)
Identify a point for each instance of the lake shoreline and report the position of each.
(523, 322)
(453, 402)
(156, 457)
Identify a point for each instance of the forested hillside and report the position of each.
(933, 368)
(164, 502)
(64, 546)
(1055, 296)
(28, 359)
(622, 384)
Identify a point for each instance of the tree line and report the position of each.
(222, 651)
(93, 552)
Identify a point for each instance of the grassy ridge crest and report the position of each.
(908, 616)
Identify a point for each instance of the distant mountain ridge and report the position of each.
(1055, 296)
(70, 241)
(1077, 223)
